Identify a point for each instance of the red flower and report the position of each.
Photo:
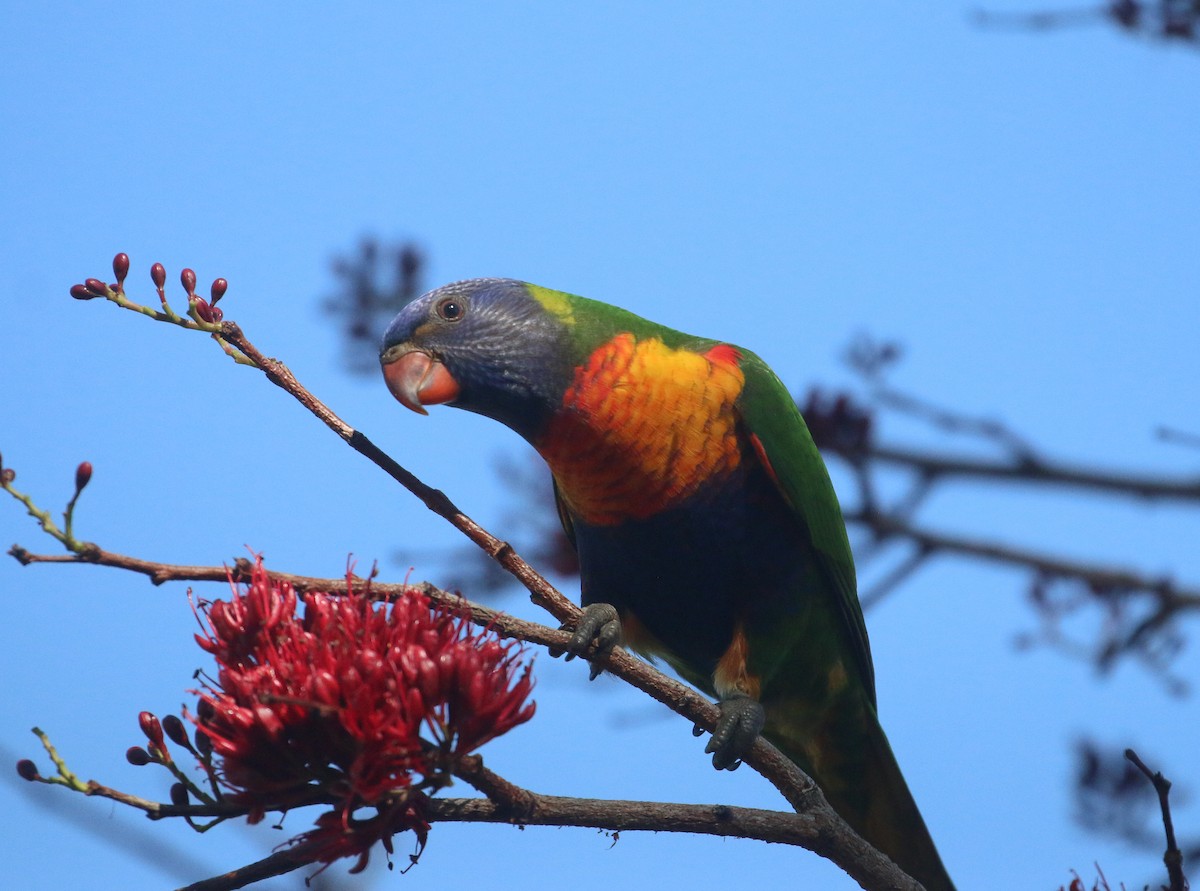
(336, 700)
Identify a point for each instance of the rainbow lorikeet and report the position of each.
(707, 529)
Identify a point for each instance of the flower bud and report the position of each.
(83, 473)
(219, 287)
(175, 730)
(137, 756)
(7, 475)
(151, 727)
(203, 310)
(97, 287)
(121, 267)
(27, 770)
(205, 710)
(158, 275)
(187, 278)
(179, 795)
(80, 292)
(203, 744)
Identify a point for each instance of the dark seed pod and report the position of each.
(137, 756)
(175, 730)
(27, 770)
(158, 275)
(83, 473)
(121, 267)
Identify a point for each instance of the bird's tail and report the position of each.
(850, 759)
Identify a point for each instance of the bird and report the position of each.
(706, 525)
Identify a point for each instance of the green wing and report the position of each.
(794, 462)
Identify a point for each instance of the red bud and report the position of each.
(83, 473)
(188, 279)
(158, 275)
(137, 756)
(179, 794)
(218, 314)
(80, 292)
(219, 287)
(203, 310)
(151, 727)
(121, 267)
(7, 475)
(96, 286)
(27, 770)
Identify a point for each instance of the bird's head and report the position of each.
(491, 346)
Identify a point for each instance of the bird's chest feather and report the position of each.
(642, 428)
(672, 513)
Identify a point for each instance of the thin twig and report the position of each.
(541, 591)
(1173, 857)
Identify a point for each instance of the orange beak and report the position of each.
(417, 379)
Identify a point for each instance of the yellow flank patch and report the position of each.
(732, 676)
(642, 427)
(556, 303)
(837, 678)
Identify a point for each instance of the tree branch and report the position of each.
(1173, 857)
(886, 525)
(831, 837)
(1034, 470)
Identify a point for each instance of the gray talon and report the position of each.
(741, 721)
(600, 625)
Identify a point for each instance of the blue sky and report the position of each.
(1018, 209)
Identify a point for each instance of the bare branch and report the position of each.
(1036, 470)
(1100, 577)
(1173, 858)
(833, 839)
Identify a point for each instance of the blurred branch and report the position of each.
(1097, 577)
(1174, 20)
(1036, 471)
(1140, 609)
(374, 285)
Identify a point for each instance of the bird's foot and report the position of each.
(601, 626)
(741, 721)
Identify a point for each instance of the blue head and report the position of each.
(487, 345)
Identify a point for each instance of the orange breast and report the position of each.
(642, 427)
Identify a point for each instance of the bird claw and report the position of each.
(741, 721)
(601, 626)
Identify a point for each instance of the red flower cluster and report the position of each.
(336, 699)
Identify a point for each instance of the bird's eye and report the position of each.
(450, 309)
